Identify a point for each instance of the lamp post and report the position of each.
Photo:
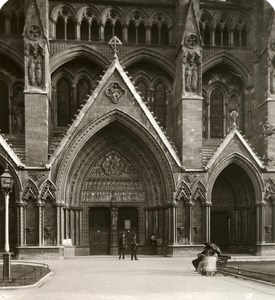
(6, 184)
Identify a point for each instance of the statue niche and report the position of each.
(34, 63)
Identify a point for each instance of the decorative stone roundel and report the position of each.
(34, 32)
(272, 44)
(191, 40)
(115, 92)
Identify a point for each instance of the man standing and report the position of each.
(122, 245)
(134, 246)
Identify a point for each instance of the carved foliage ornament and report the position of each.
(115, 92)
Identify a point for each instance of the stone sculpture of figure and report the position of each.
(188, 78)
(31, 70)
(194, 79)
(272, 81)
(38, 72)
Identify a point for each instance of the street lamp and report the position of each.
(6, 184)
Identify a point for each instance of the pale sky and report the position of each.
(272, 2)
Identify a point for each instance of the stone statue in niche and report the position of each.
(188, 78)
(194, 81)
(35, 70)
(272, 81)
(31, 70)
(38, 71)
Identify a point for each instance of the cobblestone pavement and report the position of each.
(148, 278)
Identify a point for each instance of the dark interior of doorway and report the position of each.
(220, 229)
(99, 231)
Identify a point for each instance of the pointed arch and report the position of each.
(48, 190)
(183, 192)
(246, 165)
(56, 11)
(198, 190)
(30, 189)
(81, 13)
(114, 13)
(152, 56)
(137, 15)
(160, 17)
(229, 60)
(67, 55)
(91, 129)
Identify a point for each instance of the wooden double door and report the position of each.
(102, 228)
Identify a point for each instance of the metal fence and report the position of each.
(264, 276)
(26, 273)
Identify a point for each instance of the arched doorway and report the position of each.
(233, 214)
(117, 182)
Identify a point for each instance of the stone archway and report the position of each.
(233, 210)
(116, 174)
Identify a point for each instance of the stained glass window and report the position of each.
(83, 90)
(141, 34)
(108, 31)
(14, 25)
(70, 30)
(63, 102)
(164, 35)
(4, 107)
(94, 31)
(60, 29)
(131, 33)
(160, 104)
(18, 115)
(2, 24)
(143, 89)
(216, 114)
(154, 34)
(118, 30)
(84, 30)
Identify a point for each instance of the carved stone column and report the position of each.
(41, 206)
(101, 32)
(125, 33)
(273, 221)
(59, 224)
(260, 222)
(21, 227)
(113, 240)
(206, 225)
(148, 34)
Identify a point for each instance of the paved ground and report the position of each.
(148, 278)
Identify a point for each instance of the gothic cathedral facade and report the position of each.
(152, 117)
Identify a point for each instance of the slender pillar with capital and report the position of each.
(113, 243)
(6, 182)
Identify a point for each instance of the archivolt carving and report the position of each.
(91, 129)
(112, 179)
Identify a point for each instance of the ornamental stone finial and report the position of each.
(114, 44)
(234, 115)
